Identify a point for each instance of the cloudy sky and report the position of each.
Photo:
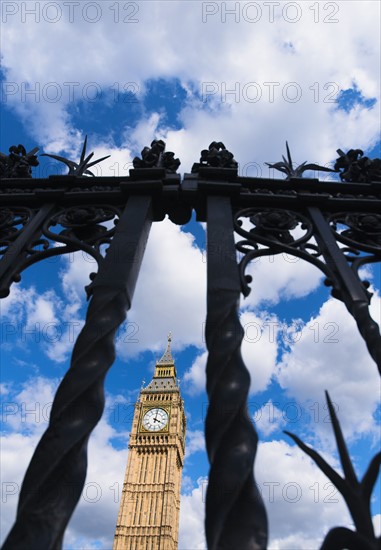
(250, 74)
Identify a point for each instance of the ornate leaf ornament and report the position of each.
(218, 156)
(18, 164)
(356, 168)
(156, 157)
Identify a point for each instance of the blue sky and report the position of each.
(190, 73)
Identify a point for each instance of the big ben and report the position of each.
(148, 516)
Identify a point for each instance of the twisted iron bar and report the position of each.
(368, 329)
(235, 513)
(53, 482)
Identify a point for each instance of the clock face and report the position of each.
(155, 420)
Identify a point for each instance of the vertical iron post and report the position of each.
(56, 474)
(235, 514)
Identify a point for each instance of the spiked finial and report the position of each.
(287, 166)
(357, 494)
(81, 168)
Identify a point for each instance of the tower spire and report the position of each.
(167, 358)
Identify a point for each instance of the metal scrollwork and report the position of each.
(12, 222)
(74, 228)
(83, 222)
(272, 229)
(82, 230)
(275, 225)
(20, 229)
(333, 227)
(364, 230)
(362, 239)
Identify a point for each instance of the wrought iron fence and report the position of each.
(339, 228)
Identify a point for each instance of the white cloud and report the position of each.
(301, 503)
(291, 484)
(16, 451)
(331, 354)
(259, 348)
(93, 522)
(377, 525)
(28, 410)
(29, 317)
(195, 442)
(95, 517)
(191, 529)
(195, 377)
(25, 416)
(280, 277)
(42, 310)
(187, 484)
(172, 280)
(97, 510)
(4, 389)
(341, 54)
(268, 423)
(13, 306)
(75, 275)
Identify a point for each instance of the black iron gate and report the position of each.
(339, 231)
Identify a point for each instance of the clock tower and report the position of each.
(148, 516)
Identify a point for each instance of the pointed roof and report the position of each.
(167, 358)
(165, 377)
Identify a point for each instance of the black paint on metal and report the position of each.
(69, 210)
(235, 513)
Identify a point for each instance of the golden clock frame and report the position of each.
(145, 409)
